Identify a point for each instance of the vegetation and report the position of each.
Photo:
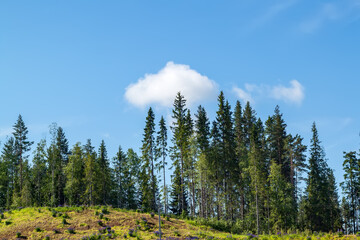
(238, 174)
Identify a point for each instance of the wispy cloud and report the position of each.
(328, 12)
(243, 95)
(272, 12)
(293, 94)
(6, 131)
(161, 88)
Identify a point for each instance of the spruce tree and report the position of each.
(149, 179)
(180, 153)
(92, 173)
(320, 189)
(104, 176)
(75, 177)
(40, 178)
(119, 163)
(9, 172)
(161, 142)
(22, 146)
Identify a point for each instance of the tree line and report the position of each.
(236, 168)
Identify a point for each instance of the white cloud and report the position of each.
(161, 88)
(293, 94)
(326, 13)
(7, 131)
(243, 95)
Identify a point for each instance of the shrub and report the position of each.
(101, 215)
(157, 233)
(71, 230)
(18, 234)
(167, 218)
(176, 233)
(56, 231)
(64, 221)
(2, 216)
(65, 215)
(152, 214)
(131, 232)
(100, 223)
(7, 222)
(104, 211)
(96, 212)
(47, 237)
(37, 229)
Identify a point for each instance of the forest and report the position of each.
(248, 173)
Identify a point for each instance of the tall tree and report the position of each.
(320, 188)
(74, 171)
(149, 180)
(104, 181)
(351, 187)
(180, 152)
(202, 135)
(92, 172)
(39, 175)
(22, 146)
(119, 164)
(9, 171)
(161, 142)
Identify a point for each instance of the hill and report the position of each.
(111, 223)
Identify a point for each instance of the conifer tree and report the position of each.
(74, 171)
(202, 135)
(320, 189)
(92, 191)
(22, 146)
(161, 142)
(39, 175)
(104, 176)
(149, 179)
(132, 179)
(351, 187)
(9, 172)
(180, 153)
(119, 163)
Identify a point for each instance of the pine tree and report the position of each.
(351, 187)
(22, 146)
(281, 201)
(104, 176)
(75, 177)
(119, 163)
(149, 180)
(320, 189)
(161, 142)
(92, 191)
(180, 153)
(132, 179)
(40, 180)
(202, 135)
(9, 171)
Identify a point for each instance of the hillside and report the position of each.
(109, 223)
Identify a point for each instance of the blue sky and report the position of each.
(91, 66)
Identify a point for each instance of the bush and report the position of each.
(152, 214)
(37, 229)
(64, 221)
(7, 222)
(105, 211)
(56, 231)
(47, 237)
(18, 234)
(71, 230)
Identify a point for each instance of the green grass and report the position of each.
(38, 223)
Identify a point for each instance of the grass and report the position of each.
(82, 223)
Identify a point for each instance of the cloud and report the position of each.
(272, 12)
(161, 88)
(294, 94)
(328, 12)
(7, 131)
(243, 95)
